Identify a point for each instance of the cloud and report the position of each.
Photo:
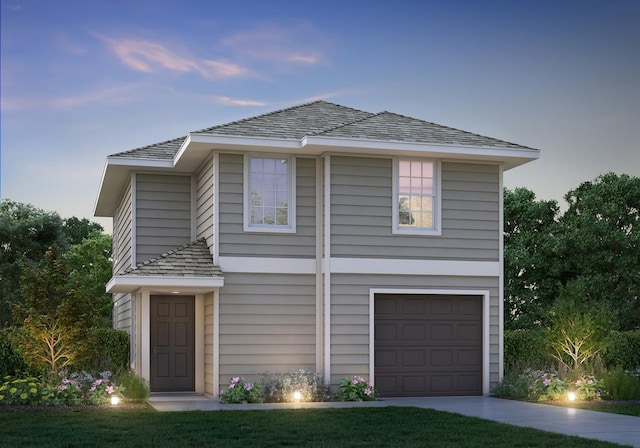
(148, 57)
(238, 102)
(13, 7)
(111, 95)
(297, 45)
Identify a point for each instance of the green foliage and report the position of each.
(76, 230)
(623, 350)
(241, 391)
(578, 329)
(541, 385)
(25, 234)
(279, 388)
(20, 391)
(356, 388)
(526, 348)
(530, 279)
(601, 243)
(134, 388)
(595, 242)
(620, 385)
(90, 268)
(11, 362)
(104, 349)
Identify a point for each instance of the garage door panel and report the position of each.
(428, 345)
(413, 332)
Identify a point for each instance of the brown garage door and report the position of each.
(428, 345)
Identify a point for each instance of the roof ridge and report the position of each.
(371, 115)
(165, 255)
(452, 128)
(266, 114)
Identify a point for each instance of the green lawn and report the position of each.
(615, 407)
(354, 427)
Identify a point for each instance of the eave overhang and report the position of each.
(163, 284)
(198, 146)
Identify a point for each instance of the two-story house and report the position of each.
(317, 237)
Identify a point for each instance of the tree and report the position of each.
(579, 328)
(90, 268)
(50, 316)
(530, 272)
(25, 234)
(77, 230)
(600, 244)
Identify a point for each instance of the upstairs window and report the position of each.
(269, 196)
(415, 198)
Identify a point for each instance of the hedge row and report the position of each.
(107, 349)
(528, 348)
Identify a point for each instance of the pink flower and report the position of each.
(248, 386)
(62, 387)
(367, 391)
(110, 390)
(546, 381)
(578, 382)
(235, 380)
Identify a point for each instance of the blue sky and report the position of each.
(84, 79)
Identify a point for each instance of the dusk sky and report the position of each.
(84, 79)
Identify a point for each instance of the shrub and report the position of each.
(20, 391)
(81, 388)
(106, 349)
(11, 362)
(540, 385)
(624, 350)
(526, 349)
(133, 387)
(280, 388)
(620, 385)
(515, 384)
(241, 391)
(356, 388)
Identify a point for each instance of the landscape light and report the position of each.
(115, 400)
(297, 396)
(571, 396)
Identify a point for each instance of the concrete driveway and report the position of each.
(578, 422)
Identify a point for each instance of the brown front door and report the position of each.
(428, 345)
(172, 343)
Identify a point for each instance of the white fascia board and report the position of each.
(240, 142)
(510, 156)
(130, 283)
(382, 266)
(132, 162)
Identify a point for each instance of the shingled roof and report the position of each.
(321, 118)
(190, 260)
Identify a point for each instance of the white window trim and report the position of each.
(248, 227)
(437, 212)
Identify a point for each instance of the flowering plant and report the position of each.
(588, 388)
(23, 391)
(241, 391)
(546, 386)
(356, 388)
(81, 389)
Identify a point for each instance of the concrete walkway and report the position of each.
(579, 422)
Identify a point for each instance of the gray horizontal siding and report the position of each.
(163, 214)
(350, 316)
(204, 202)
(234, 241)
(122, 318)
(361, 213)
(208, 344)
(267, 324)
(123, 232)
